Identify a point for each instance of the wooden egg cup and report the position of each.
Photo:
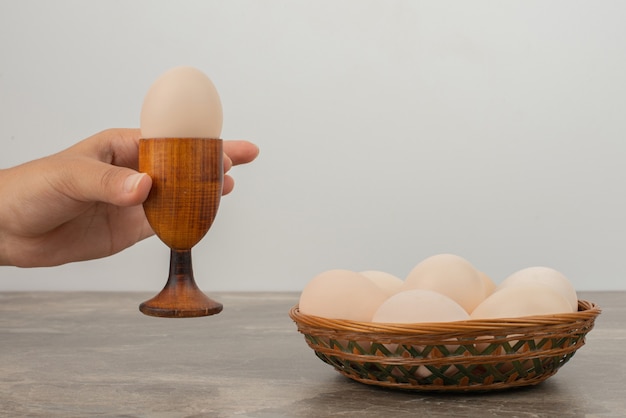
(187, 177)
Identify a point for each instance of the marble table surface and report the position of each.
(94, 354)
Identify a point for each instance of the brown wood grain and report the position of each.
(187, 176)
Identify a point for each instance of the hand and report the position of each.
(85, 202)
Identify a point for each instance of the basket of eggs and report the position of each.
(446, 327)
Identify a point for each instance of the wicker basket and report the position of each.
(474, 355)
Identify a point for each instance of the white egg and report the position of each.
(522, 300)
(341, 294)
(449, 275)
(419, 305)
(386, 281)
(488, 284)
(182, 103)
(546, 276)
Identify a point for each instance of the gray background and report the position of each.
(389, 130)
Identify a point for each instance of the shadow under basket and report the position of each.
(474, 355)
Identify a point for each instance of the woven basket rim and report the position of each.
(586, 311)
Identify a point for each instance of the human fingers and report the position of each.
(117, 146)
(228, 185)
(86, 179)
(228, 163)
(240, 152)
(236, 153)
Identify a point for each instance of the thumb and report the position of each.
(93, 180)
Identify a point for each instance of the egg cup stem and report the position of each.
(181, 297)
(187, 179)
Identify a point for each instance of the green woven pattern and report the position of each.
(468, 366)
(461, 356)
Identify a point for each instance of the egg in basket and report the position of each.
(446, 327)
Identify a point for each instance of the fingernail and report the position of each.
(132, 181)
